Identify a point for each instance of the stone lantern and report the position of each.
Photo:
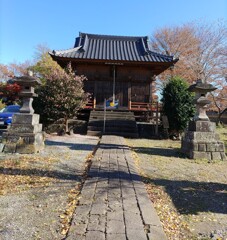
(201, 89)
(200, 140)
(25, 134)
(27, 93)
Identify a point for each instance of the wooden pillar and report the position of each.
(94, 103)
(150, 92)
(129, 94)
(95, 93)
(129, 104)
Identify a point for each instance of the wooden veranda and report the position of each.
(147, 112)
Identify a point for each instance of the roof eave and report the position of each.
(89, 60)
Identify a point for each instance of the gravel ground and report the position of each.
(34, 213)
(195, 189)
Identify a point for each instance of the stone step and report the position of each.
(123, 134)
(112, 123)
(113, 129)
(112, 118)
(112, 112)
(117, 123)
(94, 133)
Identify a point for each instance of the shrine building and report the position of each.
(121, 68)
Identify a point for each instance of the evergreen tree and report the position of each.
(177, 104)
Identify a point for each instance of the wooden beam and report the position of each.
(95, 93)
(129, 91)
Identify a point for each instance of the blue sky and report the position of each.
(26, 23)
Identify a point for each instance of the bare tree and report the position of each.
(40, 50)
(202, 52)
(200, 47)
(4, 72)
(219, 101)
(211, 56)
(13, 69)
(180, 42)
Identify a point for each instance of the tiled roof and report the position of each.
(117, 48)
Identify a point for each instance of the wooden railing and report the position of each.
(141, 106)
(91, 104)
(132, 106)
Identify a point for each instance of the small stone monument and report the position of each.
(200, 141)
(25, 134)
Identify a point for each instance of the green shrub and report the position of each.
(177, 104)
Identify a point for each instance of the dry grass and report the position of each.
(223, 134)
(24, 172)
(190, 196)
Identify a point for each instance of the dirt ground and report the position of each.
(38, 192)
(190, 196)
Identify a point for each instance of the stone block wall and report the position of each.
(24, 135)
(202, 142)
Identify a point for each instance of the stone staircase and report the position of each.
(120, 123)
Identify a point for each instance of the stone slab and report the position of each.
(25, 118)
(95, 235)
(156, 233)
(215, 147)
(117, 236)
(223, 156)
(202, 126)
(202, 147)
(216, 156)
(135, 234)
(200, 155)
(96, 223)
(28, 137)
(25, 128)
(201, 136)
(115, 227)
(76, 236)
(31, 143)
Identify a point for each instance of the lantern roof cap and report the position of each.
(200, 86)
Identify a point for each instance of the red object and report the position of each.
(10, 91)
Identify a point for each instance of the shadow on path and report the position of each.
(72, 146)
(39, 173)
(194, 197)
(166, 152)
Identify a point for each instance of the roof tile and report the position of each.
(118, 48)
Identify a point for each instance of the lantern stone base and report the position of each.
(201, 141)
(24, 135)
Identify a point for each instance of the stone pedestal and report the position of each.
(201, 141)
(24, 135)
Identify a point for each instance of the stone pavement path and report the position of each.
(114, 204)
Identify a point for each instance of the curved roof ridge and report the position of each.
(65, 51)
(99, 36)
(160, 54)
